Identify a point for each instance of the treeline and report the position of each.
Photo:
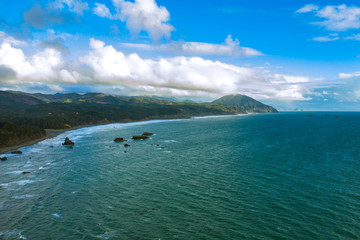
(62, 115)
(12, 134)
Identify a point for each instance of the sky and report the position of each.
(294, 55)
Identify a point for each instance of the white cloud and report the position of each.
(308, 8)
(349, 75)
(44, 66)
(103, 66)
(188, 74)
(335, 18)
(102, 11)
(140, 15)
(8, 39)
(76, 6)
(328, 38)
(229, 48)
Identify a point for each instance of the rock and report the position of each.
(68, 142)
(119, 139)
(16, 152)
(140, 137)
(337, 116)
(147, 134)
(3, 158)
(71, 147)
(126, 145)
(25, 172)
(51, 146)
(125, 151)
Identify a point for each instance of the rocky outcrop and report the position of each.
(25, 172)
(16, 152)
(119, 139)
(3, 158)
(147, 134)
(126, 145)
(68, 142)
(141, 137)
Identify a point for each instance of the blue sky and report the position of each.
(291, 54)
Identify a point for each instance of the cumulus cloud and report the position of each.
(188, 74)
(104, 65)
(140, 15)
(229, 48)
(335, 18)
(55, 41)
(46, 65)
(102, 11)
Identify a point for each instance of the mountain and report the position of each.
(9, 99)
(241, 103)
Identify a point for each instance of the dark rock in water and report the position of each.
(125, 151)
(119, 139)
(3, 158)
(71, 147)
(147, 133)
(140, 137)
(126, 145)
(25, 172)
(16, 152)
(51, 146)
(68, 142)
(337, 116)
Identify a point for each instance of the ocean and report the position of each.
(255, 176)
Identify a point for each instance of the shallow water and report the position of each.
(258, 176)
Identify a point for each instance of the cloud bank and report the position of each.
(182, 76)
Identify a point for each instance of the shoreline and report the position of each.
(52, 133)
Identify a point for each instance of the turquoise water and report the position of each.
(259, 176)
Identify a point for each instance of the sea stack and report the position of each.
(142, 137)
(147, 134)
(119, 139)
(16, 152)
(3, 158)
(68, 142)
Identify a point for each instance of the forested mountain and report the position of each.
(242, 103)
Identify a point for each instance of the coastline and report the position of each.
(51, 133)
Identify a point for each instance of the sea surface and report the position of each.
(256, 176)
